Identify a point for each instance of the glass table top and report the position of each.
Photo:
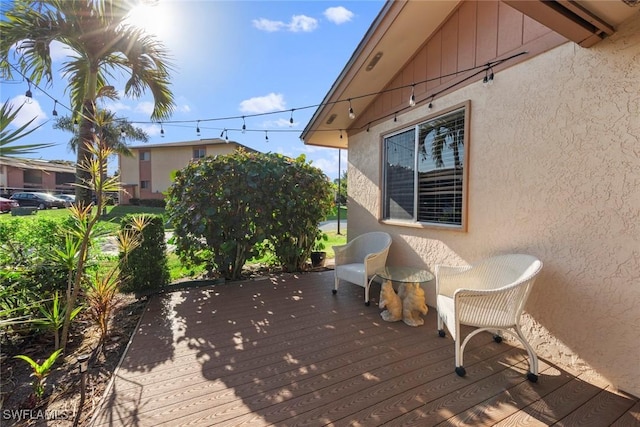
(404, 274)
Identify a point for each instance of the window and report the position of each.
(423, 172)
(199, 153)
(145, 155)
(32, 176)
(63, 178)
(145, 184)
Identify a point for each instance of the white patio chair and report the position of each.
(489, 295)
(359, 259)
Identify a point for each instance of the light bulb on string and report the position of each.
(28, 93)
(198, 128)
(291, 118)
(161, 130)
(55, 113)
(226, 136)
(352, 115)
(123, 133)
(490, 76)
(340, 133)
(395, 117)
(266, 136)
(431, 104)
(244, 125)
(412, 99)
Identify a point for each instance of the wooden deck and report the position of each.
(285, 351)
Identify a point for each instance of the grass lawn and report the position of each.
(111, 221)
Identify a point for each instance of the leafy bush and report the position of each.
(29, 272)
(223, 209)
(144, 268)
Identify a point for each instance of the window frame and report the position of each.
(145, 184)
(415, 127)
(143, 154)
(198, 149)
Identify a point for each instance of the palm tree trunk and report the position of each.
(83, 194)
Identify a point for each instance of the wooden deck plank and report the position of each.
(285, 351)
(604, 409)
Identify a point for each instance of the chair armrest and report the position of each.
(341, 254)
(449, 279)
(376, 261)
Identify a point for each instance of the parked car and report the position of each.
(69, 198)
(39, 200)
(7, 204)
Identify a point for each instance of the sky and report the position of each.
(230, 59)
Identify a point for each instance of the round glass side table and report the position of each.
(409, 302)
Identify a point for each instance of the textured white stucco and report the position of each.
(554, 171)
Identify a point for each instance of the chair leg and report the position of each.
(532, 375)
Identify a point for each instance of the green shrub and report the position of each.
(145, 269)
(223, 209)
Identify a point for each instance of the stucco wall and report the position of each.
(554, 171)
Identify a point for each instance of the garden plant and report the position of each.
(225, 208)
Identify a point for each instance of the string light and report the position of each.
(291, 118)
(266, 136)
(486, 68)
(488, 77)
(198, 128)
(340, 133)
(123, 133)
(28, 93)
(54, 112)
(412, 99)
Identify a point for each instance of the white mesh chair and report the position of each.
(489, 295)
(359, 259)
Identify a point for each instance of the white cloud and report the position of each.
(263, 104)
(268, 25)
(30, 109)
(145, 107)
(116, 106)
(185, 108)
(338, 15)
(302, 23)
(150, 129)
(298, 23)
(279, 123)
(60, 51)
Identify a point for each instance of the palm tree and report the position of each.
(103, 44)
(115, 133)
(8, 113)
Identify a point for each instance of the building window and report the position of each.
(32, 176)
(423, 172)
(199, 153)
(145, 156)
(145, 185)
(65, 178)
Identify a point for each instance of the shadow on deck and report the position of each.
(285, 351)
